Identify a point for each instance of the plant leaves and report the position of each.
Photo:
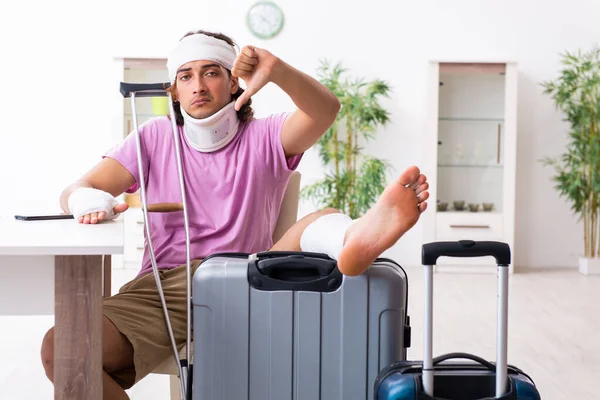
(357, 184)
(576, 93)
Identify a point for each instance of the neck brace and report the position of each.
(212, 133)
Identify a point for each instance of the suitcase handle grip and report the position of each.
(144, 89)
(465, 248)
(466, 356)
(294, 271)
(309, 268)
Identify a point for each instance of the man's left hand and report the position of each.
(254, 66)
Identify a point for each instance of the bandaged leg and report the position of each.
(326, 234)
(356, 244)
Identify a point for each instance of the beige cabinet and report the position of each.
(470, 155)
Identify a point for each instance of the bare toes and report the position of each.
(409, 176)
(421, 179)
(421, 188)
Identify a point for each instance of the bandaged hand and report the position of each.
(88, 205)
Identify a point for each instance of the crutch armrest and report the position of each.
(144, 89)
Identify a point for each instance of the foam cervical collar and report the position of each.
(211, 133)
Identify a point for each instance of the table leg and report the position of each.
(78, 328)
(107, 276)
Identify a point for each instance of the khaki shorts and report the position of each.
(137, 313)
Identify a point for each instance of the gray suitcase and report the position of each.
(289, 325)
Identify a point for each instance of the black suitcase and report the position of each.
(439, 378)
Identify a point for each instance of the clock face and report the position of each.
(265, 19)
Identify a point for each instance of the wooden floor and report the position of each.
(554, 325)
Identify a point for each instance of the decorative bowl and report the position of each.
(459, 205)
(487, 206)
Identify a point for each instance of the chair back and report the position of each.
(288, 214)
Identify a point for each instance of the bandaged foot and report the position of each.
(356, 244)
(89, 201)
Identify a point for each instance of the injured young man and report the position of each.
(236, 168)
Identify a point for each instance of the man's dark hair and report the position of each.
(244, 114)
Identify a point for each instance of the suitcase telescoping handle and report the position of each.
(300, 271)
(467, 248)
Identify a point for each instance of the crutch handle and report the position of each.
(144, 89)
(165, 207)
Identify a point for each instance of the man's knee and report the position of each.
(47, 353)
(314, 216)
(117, 351)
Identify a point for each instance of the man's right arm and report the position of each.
(108, 176)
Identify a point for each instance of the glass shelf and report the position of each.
(467, 211)
(470, 133)
(468, 119)
(471, 165)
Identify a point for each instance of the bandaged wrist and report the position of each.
(88, 200)
(326, 234)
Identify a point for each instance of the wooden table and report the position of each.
(80, 256)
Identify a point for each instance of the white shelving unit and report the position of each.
(135, 70)
(470, 156)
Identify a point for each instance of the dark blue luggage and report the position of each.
(446, 377)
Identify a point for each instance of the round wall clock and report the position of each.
(264, 19)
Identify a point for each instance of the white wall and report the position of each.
(58, 92)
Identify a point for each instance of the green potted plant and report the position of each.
(352, 180)
(576, 92)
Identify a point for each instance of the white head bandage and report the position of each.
(200, 47)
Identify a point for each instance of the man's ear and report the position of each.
(174, 94)
(235, 85)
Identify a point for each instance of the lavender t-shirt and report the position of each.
(233, 194)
